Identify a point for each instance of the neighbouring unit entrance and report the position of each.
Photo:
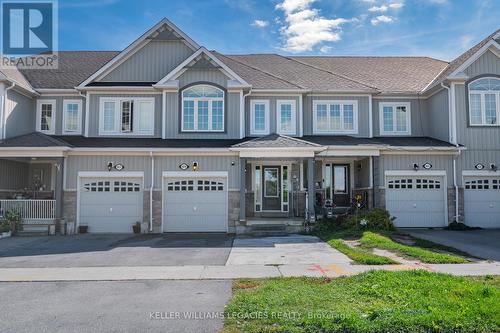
(337, 184)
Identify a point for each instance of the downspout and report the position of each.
(151, 192)
(454, 139)
(4, 111)
(86, 111)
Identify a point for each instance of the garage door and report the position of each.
(110, 204)
(416, 201)
(482, 201)
(195, 204)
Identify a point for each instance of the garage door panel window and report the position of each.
(195, 185)
(126, 187)
(101, 186)
(482, 184)
(414, 183)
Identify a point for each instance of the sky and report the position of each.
(441, 29)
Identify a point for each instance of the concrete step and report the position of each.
(32, 233)
(263, 230)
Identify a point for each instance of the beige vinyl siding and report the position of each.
(363, 113)
(151, 63)
(95, 105)
(419, 115)
(77, 164)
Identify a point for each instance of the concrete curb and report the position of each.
(225, 272)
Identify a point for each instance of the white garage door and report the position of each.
(110, 204)
(416, 202)
(482, 201)
(195, 204)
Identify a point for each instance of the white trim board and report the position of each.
(457, 73)
(194, 174)
(412, 173)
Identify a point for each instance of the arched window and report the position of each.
(484, 102)
(203, 109)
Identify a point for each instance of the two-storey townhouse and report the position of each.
(183, 139)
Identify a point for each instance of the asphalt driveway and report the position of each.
(480, 243)
(132, 306)
(95, 250)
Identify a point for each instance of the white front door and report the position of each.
(195, 204)
(482, 201)
(110, 204)
(416, 202)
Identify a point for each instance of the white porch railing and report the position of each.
(32, 211)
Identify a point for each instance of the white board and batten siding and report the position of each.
(110, 202)
(417, 199)
(195, 202)
(482, 199)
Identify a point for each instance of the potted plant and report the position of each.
(136, 227)
(82, 229)
(13, 218)
(4, 229)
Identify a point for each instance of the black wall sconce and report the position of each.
(110, 166)
(415, 166)
(195, 166)
(493, 167)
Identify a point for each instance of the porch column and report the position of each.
(59, 187)
(310, 185)
(243, 163)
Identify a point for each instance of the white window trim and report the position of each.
(39, 115)
(354, 103)
(483, 105)
(394, 105)
(78, 131)
(253, 131)
(117, 129)
(280, 102)
(210, 100)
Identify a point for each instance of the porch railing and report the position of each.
(32, 211)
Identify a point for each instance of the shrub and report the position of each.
(460, 226)
(13, 218)
(4, 226)
(379, 219)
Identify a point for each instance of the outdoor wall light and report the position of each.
(232, 163)
(110, 166)
(415, 166)
(493, 167)
(195, 166)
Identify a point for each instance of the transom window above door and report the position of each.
(484, 102)
(203, 109)
(126, 116)
(335, 117)
(395, 118)
(286, 117)
(259, 114)
(46, 116)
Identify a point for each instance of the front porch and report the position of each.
(29, 186)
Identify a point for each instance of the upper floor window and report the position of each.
(395, 118)
(259, 114)
(133, 115)
(72, 116)
(286, 117)
(46, 116)
(484, 102)
(335, 117)
(203, 109)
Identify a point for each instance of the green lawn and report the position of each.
(377, 301)
(373, 240)
(424, 251)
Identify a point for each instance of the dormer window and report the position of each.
(203, 109)
(484, 102)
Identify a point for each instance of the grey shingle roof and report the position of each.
(461, 59)
(276, 141)
(299, 74)
(74, 68)
(83, 142)
(35, 139)
(387, 74)
(15, 75)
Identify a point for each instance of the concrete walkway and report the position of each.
(225, 272)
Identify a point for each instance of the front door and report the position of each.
(271, 185)
(341, 190)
